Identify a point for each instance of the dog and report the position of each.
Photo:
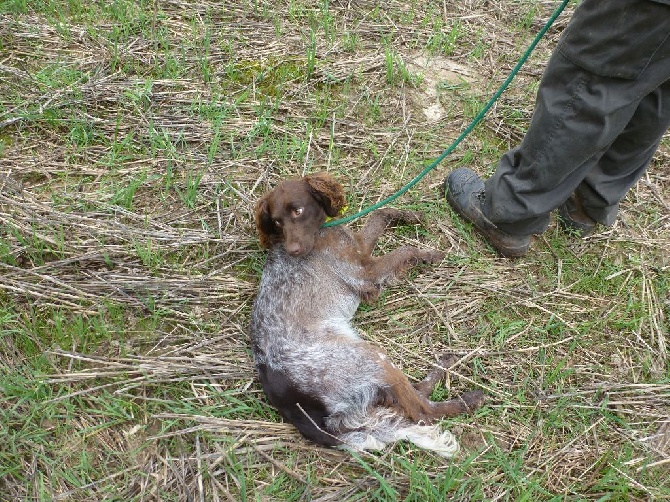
(337, 389)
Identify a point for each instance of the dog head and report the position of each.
(292, 213)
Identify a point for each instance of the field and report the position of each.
(135, 138)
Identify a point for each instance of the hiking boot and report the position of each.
(572, 217)
(465, 193)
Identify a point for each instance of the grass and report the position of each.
(135, 138)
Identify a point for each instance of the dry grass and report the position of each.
(135, 138)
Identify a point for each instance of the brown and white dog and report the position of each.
(334, 387)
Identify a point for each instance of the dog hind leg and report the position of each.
(425, 387)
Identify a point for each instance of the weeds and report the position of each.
(135, 138)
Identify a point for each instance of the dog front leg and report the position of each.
(398, 262)
(368, 236)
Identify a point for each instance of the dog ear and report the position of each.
(328, 192)
(267, 231)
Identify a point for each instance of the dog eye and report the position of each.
(297, 212)
(277, 223)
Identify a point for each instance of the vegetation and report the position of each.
(135, 137)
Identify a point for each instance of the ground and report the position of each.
(135, 138)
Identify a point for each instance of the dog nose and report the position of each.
(294, 249)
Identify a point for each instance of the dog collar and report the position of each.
(342, 211)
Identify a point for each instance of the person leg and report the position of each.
(577, 116)
(626, 160)
(580, 112)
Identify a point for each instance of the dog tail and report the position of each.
(381, 427)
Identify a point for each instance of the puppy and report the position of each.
(334, 387)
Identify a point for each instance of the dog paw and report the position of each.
(472, 399)
(447, 360)
(432, 257)
(411, 217)
(369, 294)
(392, 215)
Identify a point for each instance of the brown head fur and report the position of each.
(292, 213)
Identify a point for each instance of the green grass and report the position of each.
(135, 137)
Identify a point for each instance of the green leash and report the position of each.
(464, 134)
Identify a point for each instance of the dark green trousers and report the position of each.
(602, 107)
